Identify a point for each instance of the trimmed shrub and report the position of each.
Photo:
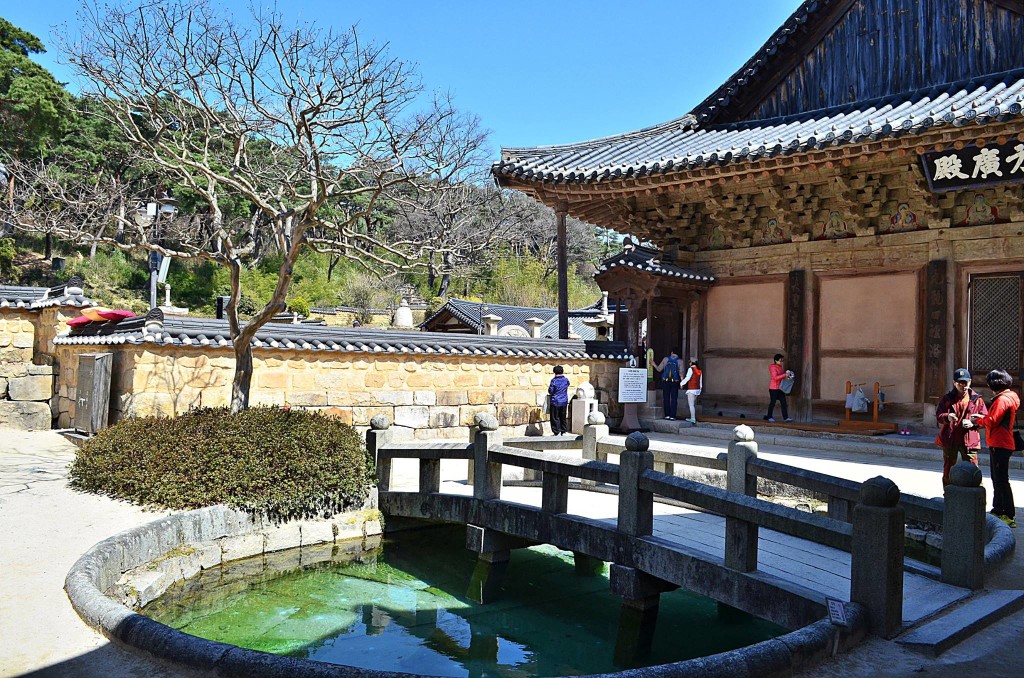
(283, 464)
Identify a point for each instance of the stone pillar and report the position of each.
(876, 569)
(641, 596)
(594, 431)
(561, 248)
(963, 528)
(534, 324)
(377, 437)
(587, 566)
(491, 324)
(741, 536)
(636, 507)
(486, 475)
(493, 555)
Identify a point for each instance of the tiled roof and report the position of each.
(645, 259)
(682, 144)
(469, 312)
(33, 298)
(186, 331)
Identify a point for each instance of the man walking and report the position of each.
(958, 435)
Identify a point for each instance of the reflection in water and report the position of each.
(403, 608)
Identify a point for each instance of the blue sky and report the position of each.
(535, 72)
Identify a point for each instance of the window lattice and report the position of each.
(995, 324)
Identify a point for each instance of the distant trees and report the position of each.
(264, 137)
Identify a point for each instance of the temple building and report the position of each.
(852, 197)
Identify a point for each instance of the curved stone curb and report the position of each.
(1001, 542)
(101, 568)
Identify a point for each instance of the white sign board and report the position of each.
(632, 385)
(836, 611)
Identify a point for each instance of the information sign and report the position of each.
(632, 385)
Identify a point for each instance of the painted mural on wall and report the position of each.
(772, 233)
(716, 239)
(979, 212)
(902, 220)
(834, 227)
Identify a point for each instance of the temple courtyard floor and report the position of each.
(45, 526)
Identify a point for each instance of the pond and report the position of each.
(402, 607)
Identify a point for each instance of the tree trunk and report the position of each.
(243, 377)
(330, 266)
(49, 247)
(431, 272)
(446, 280)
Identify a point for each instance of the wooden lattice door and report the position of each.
(996, 325)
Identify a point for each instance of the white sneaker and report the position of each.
(771, 420)
(692, 420)
(789, 419)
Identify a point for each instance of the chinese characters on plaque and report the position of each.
(974, 166)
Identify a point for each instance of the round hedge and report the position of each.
(281, 463)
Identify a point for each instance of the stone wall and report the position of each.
(26, 375)
(426, 396)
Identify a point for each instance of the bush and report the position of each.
(269, 461)
(300, 306)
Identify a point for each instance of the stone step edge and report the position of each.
(856, 446)
(935, 636)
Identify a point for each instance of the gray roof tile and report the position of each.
(681, 144)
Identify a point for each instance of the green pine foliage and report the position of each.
(284, 464)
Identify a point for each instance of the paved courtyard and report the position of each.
(45, 526)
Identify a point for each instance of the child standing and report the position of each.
(559, 392)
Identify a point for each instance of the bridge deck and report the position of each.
(822, 570)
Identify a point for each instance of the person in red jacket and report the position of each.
(776, 373)
(958, 436)
(998, 423)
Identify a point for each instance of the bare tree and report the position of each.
(285, 137)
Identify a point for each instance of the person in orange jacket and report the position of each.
(998, 423)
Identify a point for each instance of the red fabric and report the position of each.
(996, 421)
(951, 432)
(694, 383)
(776, 374)
(116, 315)
(79, 321)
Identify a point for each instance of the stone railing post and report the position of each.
(876, 568)
(963, 528)
(594, 430)
(379, 435)
(741, 536)
(486, 475)
(636, 507)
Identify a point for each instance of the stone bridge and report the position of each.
(660, 531)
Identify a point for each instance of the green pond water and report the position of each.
(402, 607)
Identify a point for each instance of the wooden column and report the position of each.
(797, 350)
(935, 336)
(563, 272)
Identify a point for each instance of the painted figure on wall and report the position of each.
(716, 241)
(902, 220)
(835, 227)
(772, 233)
(979, 212)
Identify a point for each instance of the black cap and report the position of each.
(961, 375)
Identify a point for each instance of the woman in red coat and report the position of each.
(998, 423)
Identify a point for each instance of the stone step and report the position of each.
(961, 622)
(886, 446)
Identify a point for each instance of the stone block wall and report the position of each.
(433, 396)
(25, 387)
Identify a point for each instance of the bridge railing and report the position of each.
(869, 525)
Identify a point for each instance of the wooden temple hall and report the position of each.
(852, 197)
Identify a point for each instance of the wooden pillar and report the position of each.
(797, 350)
(561, 212)
(650, 319)
(936, 306)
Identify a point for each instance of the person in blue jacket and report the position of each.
(559, 392)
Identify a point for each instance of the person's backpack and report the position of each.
(671, 372)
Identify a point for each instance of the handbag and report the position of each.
(786, 385)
